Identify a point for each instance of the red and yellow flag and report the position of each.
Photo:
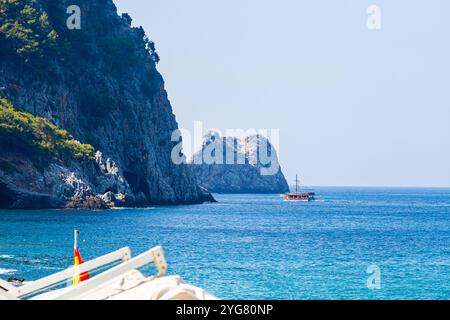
(77, 260)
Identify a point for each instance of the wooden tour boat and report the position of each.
(299, 196)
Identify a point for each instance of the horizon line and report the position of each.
(373, 186)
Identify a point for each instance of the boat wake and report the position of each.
(7, 271)
(127, 208)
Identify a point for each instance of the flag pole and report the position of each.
(77, 260)
(75, 244)
(75, 239)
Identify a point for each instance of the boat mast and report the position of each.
(296, 183)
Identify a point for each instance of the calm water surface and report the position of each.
(259, 247)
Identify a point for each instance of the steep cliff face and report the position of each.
(231, 165)
(100, 83)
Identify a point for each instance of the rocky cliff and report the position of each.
(101, 85)
(231, 165)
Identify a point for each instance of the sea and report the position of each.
(352, 243)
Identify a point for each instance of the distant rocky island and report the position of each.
(85, 121)
(232, 165)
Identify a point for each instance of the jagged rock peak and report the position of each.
(233, 165)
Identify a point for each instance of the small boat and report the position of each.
(114, 276)
(299, 196)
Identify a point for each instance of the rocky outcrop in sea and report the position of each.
(232, 165)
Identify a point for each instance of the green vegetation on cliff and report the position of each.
(25, 132)
(34, 33)
(25, 29)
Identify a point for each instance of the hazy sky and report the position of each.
(354, 106)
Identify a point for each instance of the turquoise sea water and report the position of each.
(259, 247)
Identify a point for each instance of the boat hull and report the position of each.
(299, 197)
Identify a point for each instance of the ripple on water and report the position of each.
(7, 271)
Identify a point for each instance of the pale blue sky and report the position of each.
(354, 106)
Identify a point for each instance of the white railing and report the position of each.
(155, 255)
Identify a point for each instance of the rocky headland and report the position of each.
(85, 121)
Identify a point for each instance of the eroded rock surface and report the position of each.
(231, 165)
